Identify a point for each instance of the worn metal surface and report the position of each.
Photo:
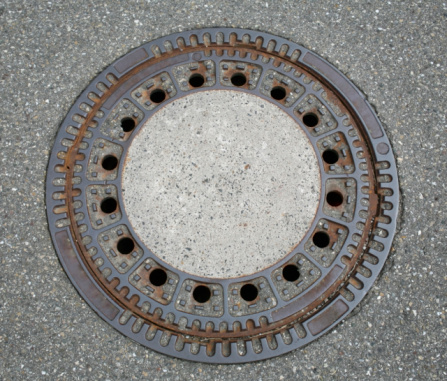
(225, 320)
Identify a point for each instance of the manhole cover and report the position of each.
(222, 195)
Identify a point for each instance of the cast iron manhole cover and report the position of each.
(222, 195)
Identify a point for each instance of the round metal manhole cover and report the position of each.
(222, 195)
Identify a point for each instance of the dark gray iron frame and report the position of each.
(83, 280)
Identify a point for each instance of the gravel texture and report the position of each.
(394, 51)
(221, 194)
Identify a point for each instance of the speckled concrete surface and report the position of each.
(221, 184)
(394, 51)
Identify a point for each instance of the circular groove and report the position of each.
(239, 311)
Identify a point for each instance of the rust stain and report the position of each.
(121, 298)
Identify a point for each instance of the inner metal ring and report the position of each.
(222, 320)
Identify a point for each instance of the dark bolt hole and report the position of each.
(108, 205)
(196, 80)
(158, 277)
(321, 239)
(125, 245)
(127, 124)
(238, 79)
(278, 93)
(290, 273)
(158, 96)
(109, 163)
(330, 156)
(310, 120)
(334, 198)
(201, 294)
(249, 292)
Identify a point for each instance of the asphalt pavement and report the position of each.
(394, 51)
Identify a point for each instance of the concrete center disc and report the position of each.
(221, 184)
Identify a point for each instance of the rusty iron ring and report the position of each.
(360, 231)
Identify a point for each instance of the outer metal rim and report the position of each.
(228, 338)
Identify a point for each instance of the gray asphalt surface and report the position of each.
(394, 51)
